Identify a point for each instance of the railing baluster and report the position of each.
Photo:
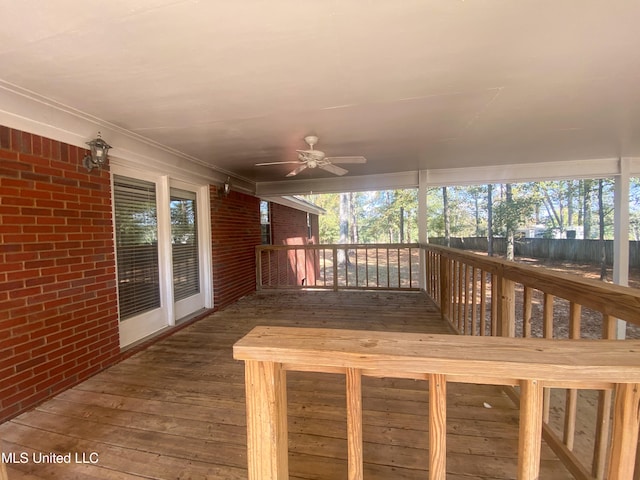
(526, 312)
(335, 268)
(465, 310)
(357, 276)
(366, 254)
(444, 288)
(605, 401)
(437, 427)
(483, 302)
(324, 266)
(530, 439)
(474, 301)
(354, 424)
(377, 268)
(411, 268)
(571, 405)
(547, 315)
(398, 264)
(258, 269)
(388, 270)
(495, 301)
(459, 289)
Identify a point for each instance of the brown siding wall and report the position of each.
(58, 313)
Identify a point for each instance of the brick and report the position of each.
(47, 324)
(5, 137)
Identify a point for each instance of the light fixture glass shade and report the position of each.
(98, 156)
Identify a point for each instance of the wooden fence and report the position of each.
(573, 250)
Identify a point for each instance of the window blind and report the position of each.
(136, 225)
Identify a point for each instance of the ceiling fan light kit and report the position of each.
(312, 158)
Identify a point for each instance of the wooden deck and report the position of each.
(176, 410)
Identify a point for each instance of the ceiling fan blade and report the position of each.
(356, 159)
(333, 169)
(297, 170)
(273, 163)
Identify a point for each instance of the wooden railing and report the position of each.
(269, 352)
(352, 266)
(483, 296)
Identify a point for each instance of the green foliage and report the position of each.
(509, 215)
(554, 205)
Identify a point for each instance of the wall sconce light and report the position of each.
(226, 187)
(98, 156)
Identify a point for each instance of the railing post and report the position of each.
(445, 285)
(530, 440)
(624, 439)
(267, 442)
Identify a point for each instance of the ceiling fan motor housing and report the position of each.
(311, 140)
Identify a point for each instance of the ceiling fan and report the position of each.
(316, 159)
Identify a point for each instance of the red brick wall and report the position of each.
(289, 227)
(235, 232)
(58, 313)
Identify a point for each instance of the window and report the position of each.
(184, 244)
(136, 224)
(265, 222)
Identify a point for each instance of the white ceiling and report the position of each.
(410, 84)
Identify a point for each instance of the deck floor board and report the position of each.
(176, 410)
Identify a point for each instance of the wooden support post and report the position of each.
(624, 439)
(267, 442)
(531, 394)
(354, 424)
(437, 427)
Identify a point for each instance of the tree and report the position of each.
(343, 259)
(512, 212)
(603, 252)
(490, 220)
(447, 220)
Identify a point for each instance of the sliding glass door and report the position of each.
(161, 253)
(185, 253)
